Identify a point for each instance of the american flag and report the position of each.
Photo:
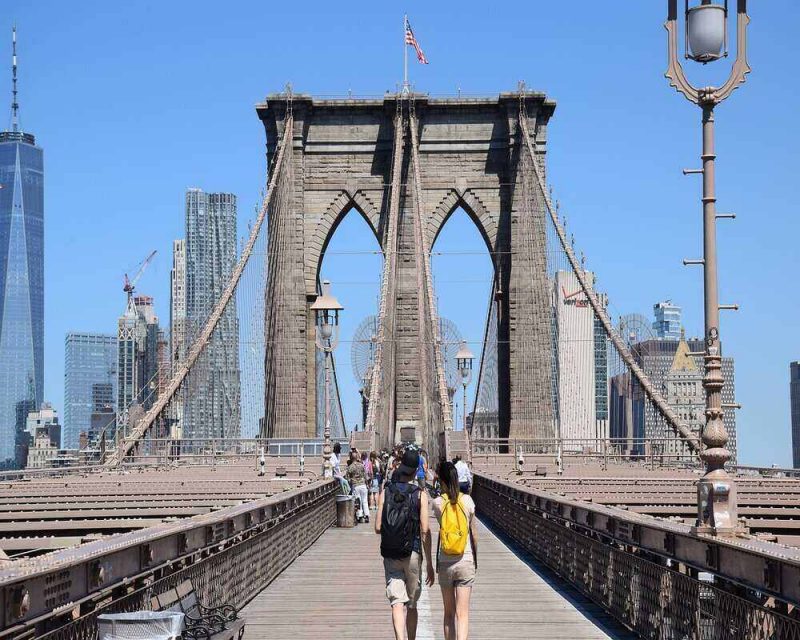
(410, 39)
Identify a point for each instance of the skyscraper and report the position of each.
(177, 328)
(137, 359)
(103, 416)
(794, 398)
(656, 358)
(21, 271)
(667, 325)
(683, 388)
(177, 302)
(90, 359)
(212, 393)
(582, 380)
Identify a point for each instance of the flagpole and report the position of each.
(405, 55)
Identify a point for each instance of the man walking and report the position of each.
(402, 522)
(464, 475)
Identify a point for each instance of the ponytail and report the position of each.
(448, 479)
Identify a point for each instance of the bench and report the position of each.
(200, 622)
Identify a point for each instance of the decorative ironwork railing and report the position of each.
(657, 578)
(229, 556)
(562, 452)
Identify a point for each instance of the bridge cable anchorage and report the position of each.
(426, 289)
(146, 422)
(691, 439)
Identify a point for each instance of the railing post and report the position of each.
(605, 455)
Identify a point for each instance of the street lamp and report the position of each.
(464, 360)
(706, 41)
(326, 337)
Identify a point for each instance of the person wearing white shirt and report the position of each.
(337, 469)
(464, 475)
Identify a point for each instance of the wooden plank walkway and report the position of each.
(336, 590)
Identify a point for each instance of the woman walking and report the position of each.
(356, 476)
(457, 556)
(375, 482)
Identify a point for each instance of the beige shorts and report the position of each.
(403, 579)
(457, 574)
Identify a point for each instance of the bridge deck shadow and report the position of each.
(336, 590)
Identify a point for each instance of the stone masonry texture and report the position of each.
(470, 157)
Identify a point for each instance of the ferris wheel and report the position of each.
(365, 343)
(362, 351)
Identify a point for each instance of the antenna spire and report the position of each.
(14, 103)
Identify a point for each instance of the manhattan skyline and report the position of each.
(619, 138)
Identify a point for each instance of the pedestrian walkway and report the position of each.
(336, 590)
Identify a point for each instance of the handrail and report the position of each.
(69, 576)
(748, 561)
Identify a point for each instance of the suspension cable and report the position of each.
(147, 421)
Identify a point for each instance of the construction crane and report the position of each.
(130, 285)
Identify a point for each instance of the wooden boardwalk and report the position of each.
(336, 590)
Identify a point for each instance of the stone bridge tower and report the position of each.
(469, 157)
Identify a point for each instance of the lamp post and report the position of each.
(464, 359)
(706, 41)
(326, 337)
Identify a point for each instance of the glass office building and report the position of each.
(90, 361)
(667, 325)
(21, 279)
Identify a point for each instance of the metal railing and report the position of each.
(207, 451)
(652, 453)
(670, 452)
(229, 556)
(159, 452)
(656, 577)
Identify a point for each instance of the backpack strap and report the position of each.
(461, 506)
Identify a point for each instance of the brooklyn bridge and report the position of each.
(588, 529)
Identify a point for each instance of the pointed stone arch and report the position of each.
(325, 226)
(470, 202)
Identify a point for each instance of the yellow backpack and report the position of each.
(454, 529)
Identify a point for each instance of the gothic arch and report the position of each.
(474, 208)
(326, 226)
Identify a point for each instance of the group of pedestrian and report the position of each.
(365, 474)
(403, 522)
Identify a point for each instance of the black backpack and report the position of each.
(399, 520)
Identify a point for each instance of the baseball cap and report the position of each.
(409, 462)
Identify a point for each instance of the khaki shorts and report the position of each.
(457, 574)
(403, 579)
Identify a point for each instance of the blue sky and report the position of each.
(133, 102)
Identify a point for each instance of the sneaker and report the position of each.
(366, 519)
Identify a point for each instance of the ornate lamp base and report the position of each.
(716, 505)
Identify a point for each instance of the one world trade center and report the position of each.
(21, 276)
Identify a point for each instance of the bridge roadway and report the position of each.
(336, 590)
